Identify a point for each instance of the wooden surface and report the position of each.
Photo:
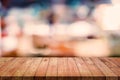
(76, 68)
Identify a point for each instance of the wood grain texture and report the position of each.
(33, 67)
(72, 67)
(10, 71)
(109, 74)
(23, 68)
(82, 67)
(60, 68)
(63, 67)
(7, 66)
(4, 61)
(52, 67)
(42, 69)
(114, 67)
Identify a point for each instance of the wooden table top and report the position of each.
(54, 67)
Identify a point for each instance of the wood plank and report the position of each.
(33, 67)
(96, 73)
(115, 68)
(63, 71)
(6, 67)
(30, 72)
(92, 67)
(115, 60)
(82, 67)
(72, 67)
(52, 67)
(14, 67)
(63, 67)
(21, 71)
(4, 61)
(42, 69)
(106, 71)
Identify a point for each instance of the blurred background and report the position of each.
(88, 28)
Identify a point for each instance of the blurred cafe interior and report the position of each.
(83, 28)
